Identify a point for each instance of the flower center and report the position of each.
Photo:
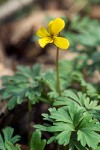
(52, 37)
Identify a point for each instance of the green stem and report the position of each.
(57, 72)
(65, 148)
(29, 106)
(30, 117)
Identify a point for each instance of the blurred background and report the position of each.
(20, 19)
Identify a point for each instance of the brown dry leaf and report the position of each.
(24, 147)
(95, 12)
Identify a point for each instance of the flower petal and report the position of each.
(56, 26)
(49, 26)
(61, 42)
(42, 32)
(44, 41)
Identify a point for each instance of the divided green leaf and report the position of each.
(36, 142)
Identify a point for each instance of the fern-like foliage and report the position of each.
(71, 126)
(10, 146)
(80, 100)
(71, 74)
(7, 139)
(22, 86)
(81, 31)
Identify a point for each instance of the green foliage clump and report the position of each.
(7, 140)
(22, 86)
(74, 123)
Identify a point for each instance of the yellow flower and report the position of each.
(52, 34)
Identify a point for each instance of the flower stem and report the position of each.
(57, 72)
